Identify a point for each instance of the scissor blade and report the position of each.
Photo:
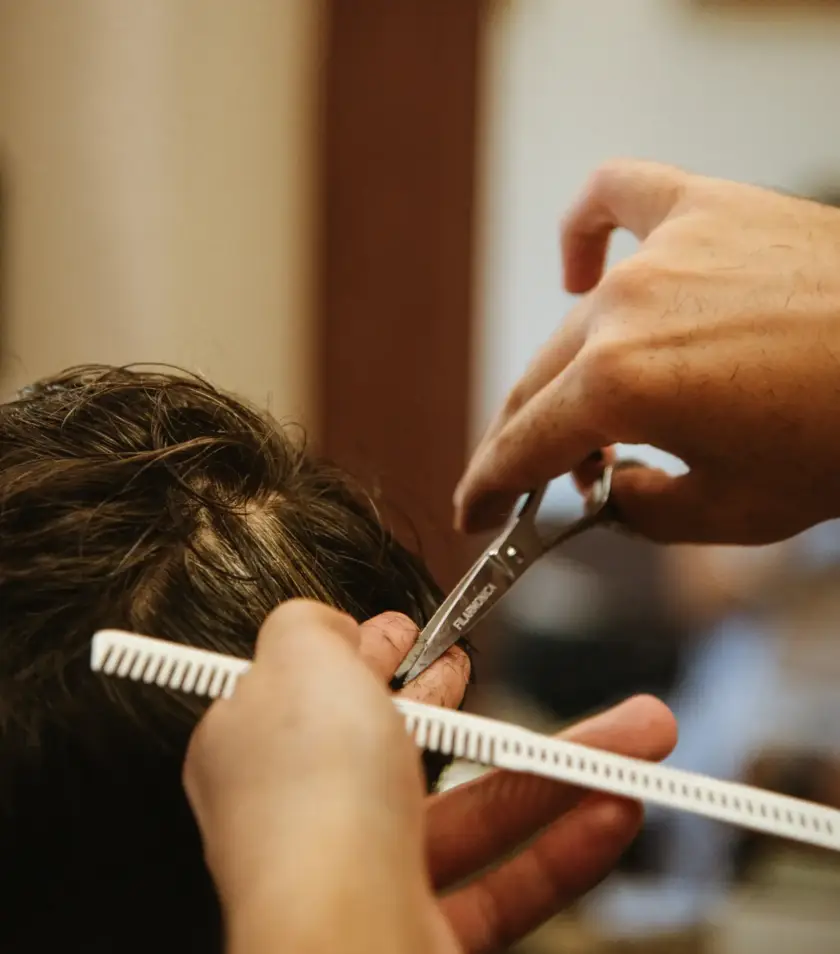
(466, 606)
(489, 578)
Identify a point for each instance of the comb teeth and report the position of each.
(488, 742)
(165, 664)
(449, 732)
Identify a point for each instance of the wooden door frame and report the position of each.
(398, 167)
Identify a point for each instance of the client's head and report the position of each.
(150, 502)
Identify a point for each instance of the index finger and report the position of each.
(444, 683)
(628, 194)
(386, 641)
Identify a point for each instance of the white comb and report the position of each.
(488, 742)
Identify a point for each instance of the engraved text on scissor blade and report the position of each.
(474, 607)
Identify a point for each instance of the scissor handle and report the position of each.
(601, 510)
(528, 509)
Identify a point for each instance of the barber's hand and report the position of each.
(307, 792)
(309, 797)
(718, 341)
(478, 824)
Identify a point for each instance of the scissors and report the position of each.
(514, 550)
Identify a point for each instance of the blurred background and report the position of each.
(346, 210)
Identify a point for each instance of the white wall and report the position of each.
(746, 96)
(156, 159)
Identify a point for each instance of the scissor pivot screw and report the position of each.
(513, 554)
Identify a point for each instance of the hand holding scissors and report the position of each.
(505, 560)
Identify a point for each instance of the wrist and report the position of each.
(325, 912)
(319, 886)
(322, 873)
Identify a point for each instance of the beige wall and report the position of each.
(157, 170)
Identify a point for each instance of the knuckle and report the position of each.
(514, 401)
(612, 369)
(506, 449)
(445, 681)
(394, 628)
(630, 285)
(455, 674)
(605, 174)
(606, 361)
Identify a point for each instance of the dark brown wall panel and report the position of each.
(398, 164)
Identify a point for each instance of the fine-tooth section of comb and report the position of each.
(488, 742)
(499, 744)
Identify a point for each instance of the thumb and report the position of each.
(664, 508)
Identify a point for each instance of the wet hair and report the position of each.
(149, 501)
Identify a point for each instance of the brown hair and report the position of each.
(153, 502)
